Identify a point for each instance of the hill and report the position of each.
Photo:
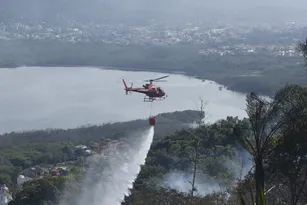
(168, 158)
(20, 150)
(166, 123)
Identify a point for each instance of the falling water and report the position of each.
(107, 182)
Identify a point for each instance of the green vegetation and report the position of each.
(236, 72)
(302, 48)
(274, 135)
(169, 152)
(19, 151)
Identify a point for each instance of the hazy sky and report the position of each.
(171, 9)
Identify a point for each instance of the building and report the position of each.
(35, 172)
(84, 147)
(31, 173)
(21, 179)
(5, 196)
(59, 171)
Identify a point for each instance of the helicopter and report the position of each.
(151, 91)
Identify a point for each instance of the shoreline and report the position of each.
(107, 68)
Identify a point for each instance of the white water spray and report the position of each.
(107, 182)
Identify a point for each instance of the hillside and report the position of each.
(25, 149)
(168, 155)
(166, 123)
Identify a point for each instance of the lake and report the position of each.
(69, 97)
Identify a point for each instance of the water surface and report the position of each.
(68, 97)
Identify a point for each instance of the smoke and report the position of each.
(239, 167)
(181, 181)
(108, 180)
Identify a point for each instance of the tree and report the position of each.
(169, 197)
(40, 191)
(267, 118)
(289, 158)
(302, 48)
(202, 113)
(195, 159)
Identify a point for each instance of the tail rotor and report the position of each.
(127, 89)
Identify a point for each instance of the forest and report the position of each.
(234, 71)
(21, 150)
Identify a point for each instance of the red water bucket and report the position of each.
(152, 121)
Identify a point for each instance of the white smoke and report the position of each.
(181, 180)
(108, 181)
(241, 167)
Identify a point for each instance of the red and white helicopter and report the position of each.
(151, 91)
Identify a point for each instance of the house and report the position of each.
(59, 171)
(21, 179)
(87, 151)
(95, 146)
(5, 196)
(35, 172)
(81, 147)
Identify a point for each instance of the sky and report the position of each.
(165, 9)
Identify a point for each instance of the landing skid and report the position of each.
(151, 99)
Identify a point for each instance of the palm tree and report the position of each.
(266, 118)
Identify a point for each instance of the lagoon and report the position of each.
(67, 97)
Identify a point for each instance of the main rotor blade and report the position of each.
(155, 80)
(161, 78)
(151, 80)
